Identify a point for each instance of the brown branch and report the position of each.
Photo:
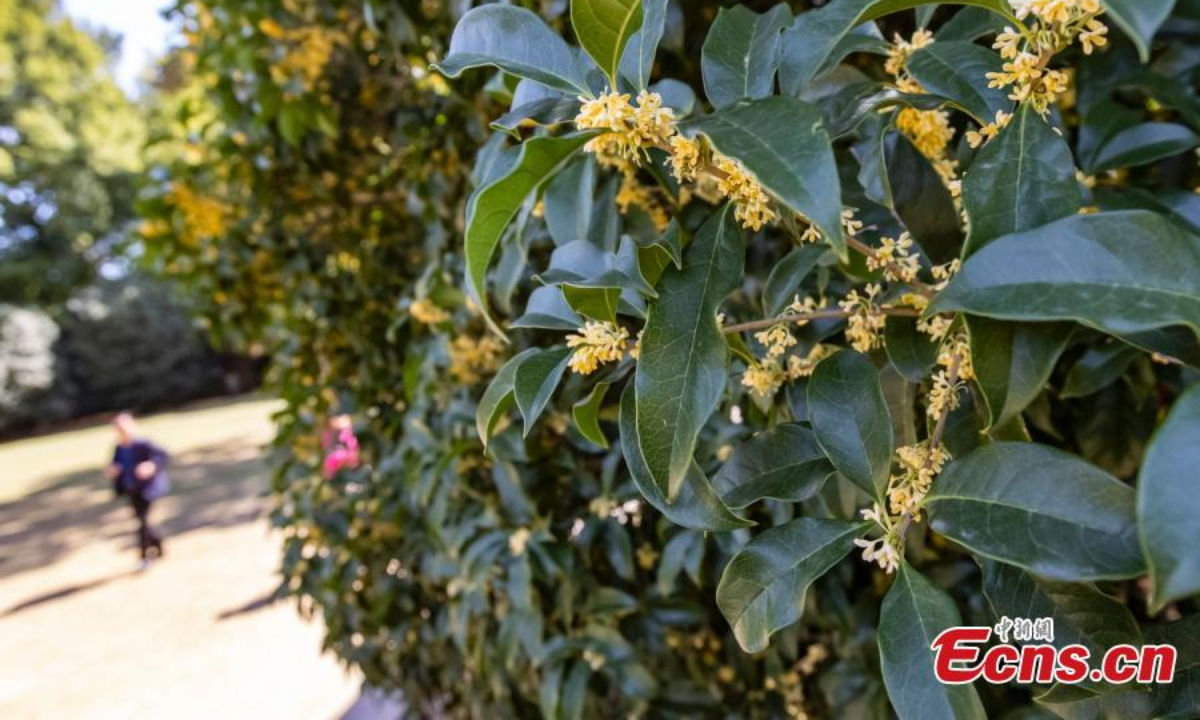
(814, 315)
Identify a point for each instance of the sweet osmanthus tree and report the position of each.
(926, 298)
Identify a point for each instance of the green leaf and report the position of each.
(498, 397)
(741, 52)
(697, 506)
(793, 161)
(1123, 273)
(1082, 614)
(545, 112)
(784, 281)
(569, 199)
(1023, 178)
(603, 27)
(763, 587)
(638, 61)
(1041, 509)
(597, 303)
(535, 381)
(1097, 369)
(1168, 503)
(816, 34)
(574, 691)
(953, 68)
(1180, 698)
(548, 309)
(850, 419)
(682, 367)
(783, 463)
(1143, 144)
(1140, 19)
(518, 42)
(493, 206)
(914, 613)
(586, 413)
(922, 200)
(1013, 361)
(911, 351)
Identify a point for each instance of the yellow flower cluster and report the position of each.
(866, 320)
(929, 130)
(308, 54)
(943, 395)
(685, 158)
(753, 207)
(630, 130)
(426, 311)
(764, 379)
(919, 465)
(596, 343)
(989, 131)
(202, 217)
(777, 339)
(1027, 53)
(895, 258)
(635, 194)
(472, 360)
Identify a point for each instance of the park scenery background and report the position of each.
(597, 358)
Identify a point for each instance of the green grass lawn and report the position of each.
(28, 465)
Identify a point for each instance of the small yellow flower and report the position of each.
(864, 325)
(425, 311)
(1093, 37)
(752, 205)
(763, 379)
(647, 556)
(471, 360)
(517, 542)
(596, 343)
(989, 131)
(685, 158)
(777, 339)
(630, 130)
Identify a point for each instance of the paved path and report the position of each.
(83, 636)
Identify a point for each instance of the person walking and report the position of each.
(138, 471)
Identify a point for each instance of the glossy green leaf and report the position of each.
(784, 281)
(697, 506)
(493, 206)
(911, 351)
(953, 68)
(518, 42)
(1168, 503)
(548, 309)
(498, 397)
(816, 34)
(603, 27)
(545, 112)
(682, 367)
(792, 160)
(1122, 272)
(535, 381)
(1140, 19)
(783, 463)
(1097, 369)
(764, 585)
(914, 613)
(1082, 614)
(638, 61)
(922, 201)
(569, 199)
(1143, 144)
(1023, 178)
(1013, 361)
(597, 303)
(850, 419)
(1041, 509)
(586, 413)
(741, 53)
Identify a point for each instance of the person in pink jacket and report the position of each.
(340, 446)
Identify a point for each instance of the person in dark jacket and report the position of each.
(138, 470)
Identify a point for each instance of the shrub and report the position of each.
(859, 299)
(130, 344)
(27, 365)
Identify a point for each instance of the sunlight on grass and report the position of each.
(27, 464)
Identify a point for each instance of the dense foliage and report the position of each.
(747, 292)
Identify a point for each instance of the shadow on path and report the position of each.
(217, 486)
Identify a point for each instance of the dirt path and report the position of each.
(84, 636)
